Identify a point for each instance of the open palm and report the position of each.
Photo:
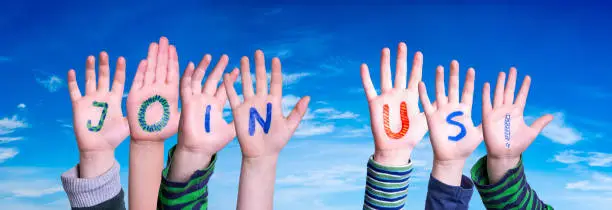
(255, 139)
(451, 130)
(397, 123)
(201, 132)
(505, 132)
(99, 124)
(152, 104)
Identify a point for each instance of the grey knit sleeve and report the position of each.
(83, 193)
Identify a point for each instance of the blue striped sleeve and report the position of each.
(386, 186)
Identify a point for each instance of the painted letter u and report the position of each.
(404, 118)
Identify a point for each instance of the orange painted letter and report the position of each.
(405, 121)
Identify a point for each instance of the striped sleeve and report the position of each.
(386, 186)
(511, 192)
(192, 194)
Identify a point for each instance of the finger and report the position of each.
(401, 66)
(276, 86)
(228, 82)
(221, 93)
(486, 99)
(119, 81)
(521, 98)
(416, 73)
(73, 86)
(385, 70)
(368, 87)
(185, 85)
(296, 115)
(427, 107)
(173, 67)
(467, 97)
(210, 86)
(541, 122)
(510, 86)
(138, 81)
(247, 83)
(453, 82)
(198, 75)
(103, 72)
(440, 89)
(498, 98)
(261, 84)
(162, 61)
(90, 75)
(151, 64)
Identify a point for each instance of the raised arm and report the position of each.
(397, 126)
(262, 130)
(153, 117)
(99, 127)
(202, 133)
(499, 176)
(453, 138)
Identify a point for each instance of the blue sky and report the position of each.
(565, 48)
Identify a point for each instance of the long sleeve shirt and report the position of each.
(102, 192)
(511, 192)
(192, 194)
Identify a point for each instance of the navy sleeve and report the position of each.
(443, 196)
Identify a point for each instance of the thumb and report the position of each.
(541, 122)
(298, 112)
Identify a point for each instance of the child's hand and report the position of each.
(202, 129)
(260, 125)
(99, 124)
(153, 99)
(397, 123)
(505, 132)
(451, 130)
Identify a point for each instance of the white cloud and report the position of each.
(355, 132)
(7, 153)
(9, 125)
(558, 131)
(333, 114)
(21, 106)
(52, 83)
(591, 158)
(288, 79)
(597, 182)
(308, 128)
(37, 192)
(5, 139)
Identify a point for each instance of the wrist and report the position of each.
(185, 162)
(498, 166)
(396, 157)
(260, 161)
(448, 172)
(95, 163)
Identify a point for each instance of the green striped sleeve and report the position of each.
(386, 186)
(511, 192)
(192, 194)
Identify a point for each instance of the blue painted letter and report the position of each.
(254, 115)
(450, 120)
(207, 119)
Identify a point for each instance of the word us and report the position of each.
(404, 118)
(104, 107)
(159, 125)
(254, 116)
(450, 120)
(507, 130)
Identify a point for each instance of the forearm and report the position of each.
(256, 189)
(185, 163)
(95, 163)
(497, 167)
(146, 164)
(448, 172)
